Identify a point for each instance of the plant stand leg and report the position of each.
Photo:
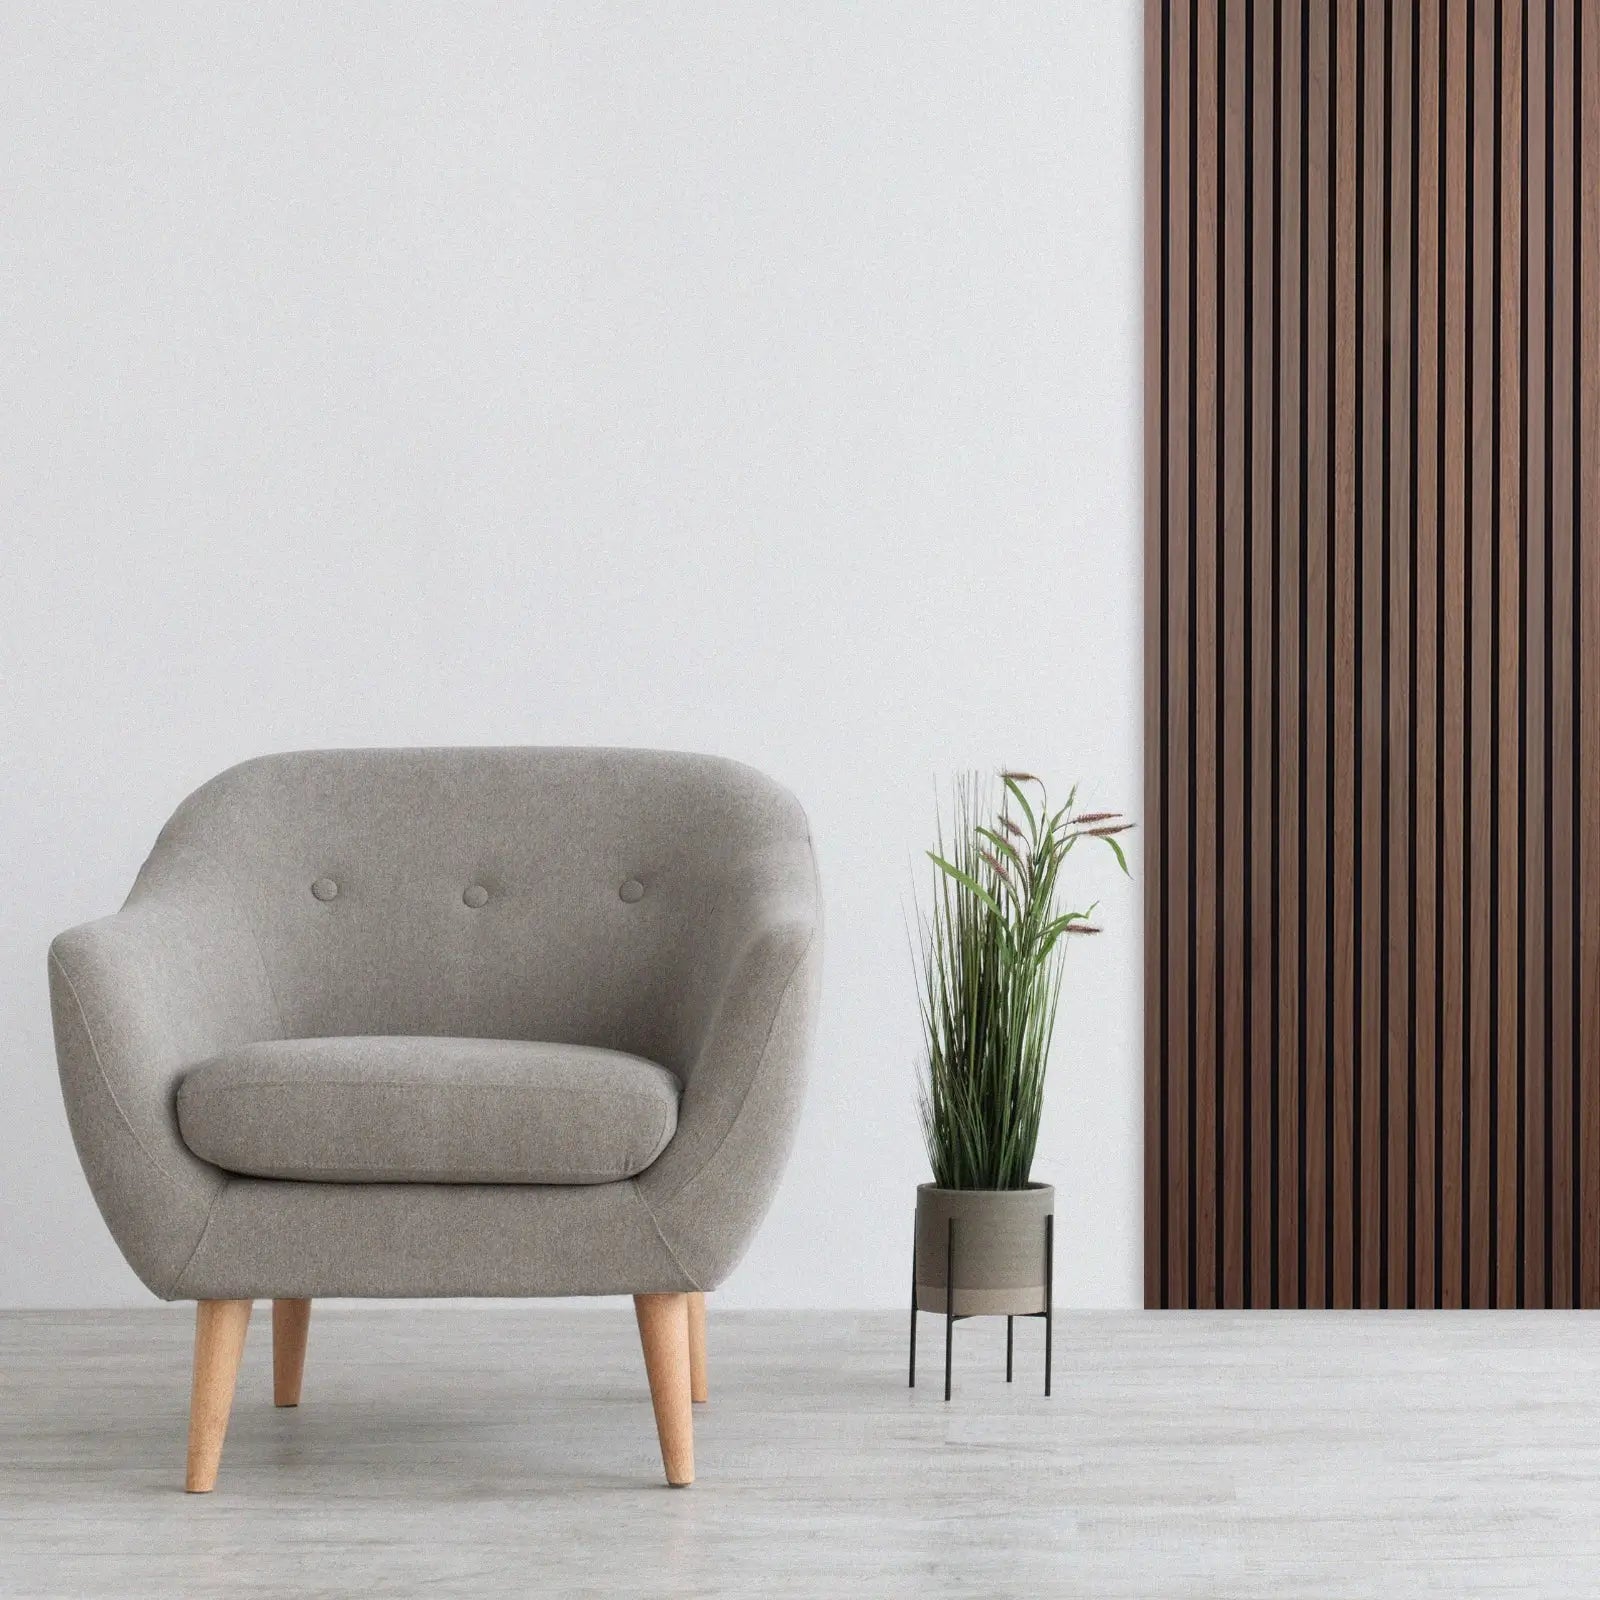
(1008, 1349)
(1049, 1295)
(913, 1383)
(949, 1298)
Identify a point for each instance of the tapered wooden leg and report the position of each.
(291, 1321)
(219, 1330)
(697, 1348)
(664, 1333)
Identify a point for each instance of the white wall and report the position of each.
(761, 379)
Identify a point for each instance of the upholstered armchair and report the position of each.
(446, 1022)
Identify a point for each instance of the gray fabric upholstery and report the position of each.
(410, 1109)
(659, 905)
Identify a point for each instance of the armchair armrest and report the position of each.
(171, 979)
(748, 1020)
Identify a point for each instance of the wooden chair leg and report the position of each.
(664, 1334)
(697, 1348)
(291, 1320)
(219, 1330)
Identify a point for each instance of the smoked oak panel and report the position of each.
(1373, 619)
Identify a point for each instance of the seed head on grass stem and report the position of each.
(991, 955)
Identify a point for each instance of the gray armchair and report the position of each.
(446, 1022)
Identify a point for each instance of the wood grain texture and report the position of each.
(219, 1331)
(1399, 694)
(1173, 668)
(1233, 586)
(1560, 662)
(1587, 429)
(1289, 654)
(1261, 409)
(664, 1337)
(1205, 550)
(699, 1387)
(1535, 726)
(1373, 414)
(1316, 768)
(291, 1325)
(1372, 572)
(1427, 456)
(1508, 620)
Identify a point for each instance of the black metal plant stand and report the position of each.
(951, 1318)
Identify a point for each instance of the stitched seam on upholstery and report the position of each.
(211, 1211)
(766, 1045)
(669, 1126)
(99, 1066)
(440, 1176)
(415, 1084)
(249, 921)
(649, 1211)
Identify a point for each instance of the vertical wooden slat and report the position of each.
(1315, 772)
(1425, 704)
(1535, 885)
(1261, 1179)
(1560, 588)
(1587, 430)
(1481, 682)
(1371, 708)
(1290, 341)
(1342, 624)
(1157, 938)
(1397, 939)
(1182, 380)
(1233, 689)
(1508, 858)
(1451, 661)
(1203, 712)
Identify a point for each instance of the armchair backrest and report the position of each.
(500, 892)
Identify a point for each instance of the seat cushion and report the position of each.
(428, 1110)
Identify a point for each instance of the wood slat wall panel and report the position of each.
(1233, 637)
(1427, 456)
(1261, 644)
(1449, 662)
(1172, 817)
(1343, 820)
(1586, 182)
(1316, 768)
(1560, 664)
(1399, 694)
(1530, 665)
(1372, 566)
(1373, 618)
(1508, 653)
(1289, 344)
(1482, 1108)
(1205, 549)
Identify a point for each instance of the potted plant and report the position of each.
(993, 940)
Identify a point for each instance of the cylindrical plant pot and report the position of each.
(990, 1243)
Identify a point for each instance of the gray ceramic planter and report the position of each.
(996, 1249)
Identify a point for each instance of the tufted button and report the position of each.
(632, 890)
(325, 889)
(474, 895)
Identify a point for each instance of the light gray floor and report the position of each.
(510, 1452)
